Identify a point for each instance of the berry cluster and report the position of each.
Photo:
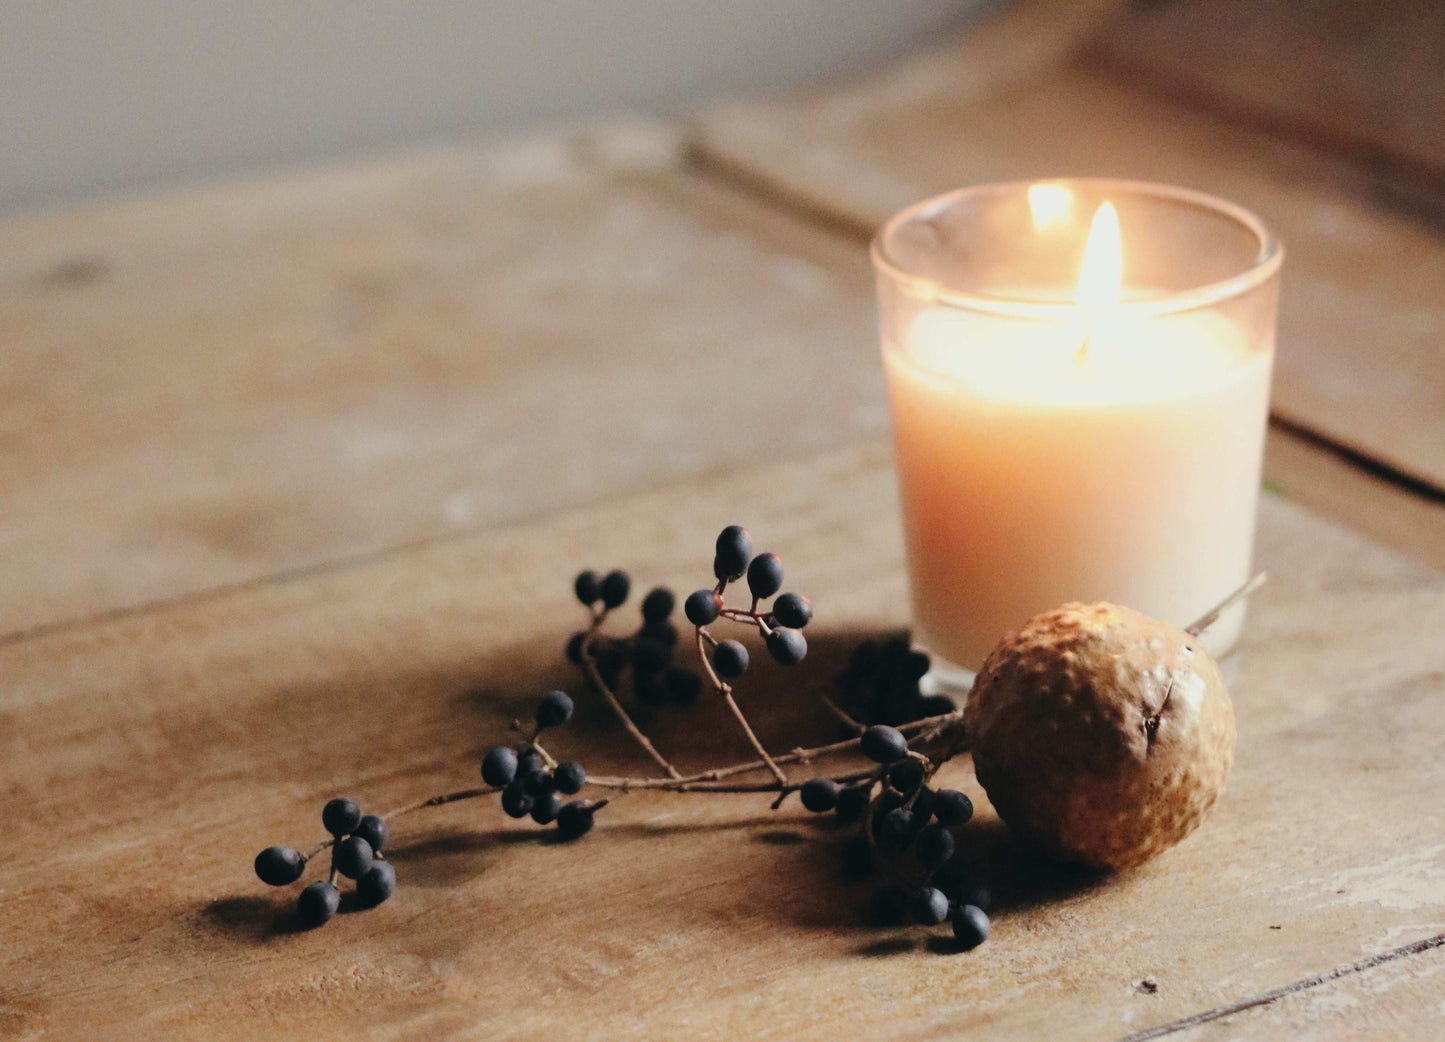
(907, 825)
(880, 684)
(648, 653)
(356, 852)
(902, 815)
(532, 783)
(781, 626)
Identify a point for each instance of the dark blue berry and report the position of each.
(569, 777)
(929, 906)
(545, 808)
(936, 705)
(893, 829)
(889, 906)
(701, 607)
(923, 806)
(554, 710)
(793, 610)
(970, 926)
(574, 647)
(953, 876)
(615, 587)
(852, 801)
(277, 866)
(499, 766)
(734, 550)
(683, 685)
(372, 828)
(317, 903)
(575, 819)
(973, 892)
(883, 744)
(787, 646)
(658, 604)
(934, 846)
(516, 800)
(588, 587)
(376, 884)
(952, 807)
(765, 575)
(352, 856)
(906, 775)
(340, 816)
(730, 659)
(535, 783)
(819, 794)
(530, 763)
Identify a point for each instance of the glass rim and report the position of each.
(1266, 261)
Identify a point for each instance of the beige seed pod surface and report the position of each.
(1100, 733)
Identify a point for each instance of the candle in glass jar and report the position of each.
(1104, 450)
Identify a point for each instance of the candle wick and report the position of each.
(1083, 352)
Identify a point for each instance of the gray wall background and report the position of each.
(99, 97)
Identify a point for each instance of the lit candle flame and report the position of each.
(1101, 276)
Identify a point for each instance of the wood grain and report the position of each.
(209, 388)
(1361, 309)
(1309, 472)
(1363, 80)
(145, 758)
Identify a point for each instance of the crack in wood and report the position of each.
(1270, 997)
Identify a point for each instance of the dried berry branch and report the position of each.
(905, 734)
(1210, 617)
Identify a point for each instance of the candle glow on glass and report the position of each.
(1073, 451)
(1050, 205)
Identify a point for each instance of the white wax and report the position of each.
(1033, 473)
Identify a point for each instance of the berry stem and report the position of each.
(840, 713)
(703, 785)
(752, 737)
(595, 675)
(1210, 617)
(437, 801)
(547, 757)
(704, 637)
(753, 618)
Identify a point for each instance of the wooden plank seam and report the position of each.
(1275, 994)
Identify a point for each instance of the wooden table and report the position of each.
(298, 473)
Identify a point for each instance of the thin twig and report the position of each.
(752, 736)
(727, 693)
(547, 759)
(595, 675)
(684, 785)
(1210, 617)
(934, 724)
(437, 801)
(841, 714)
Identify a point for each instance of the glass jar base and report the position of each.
(947, 678)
